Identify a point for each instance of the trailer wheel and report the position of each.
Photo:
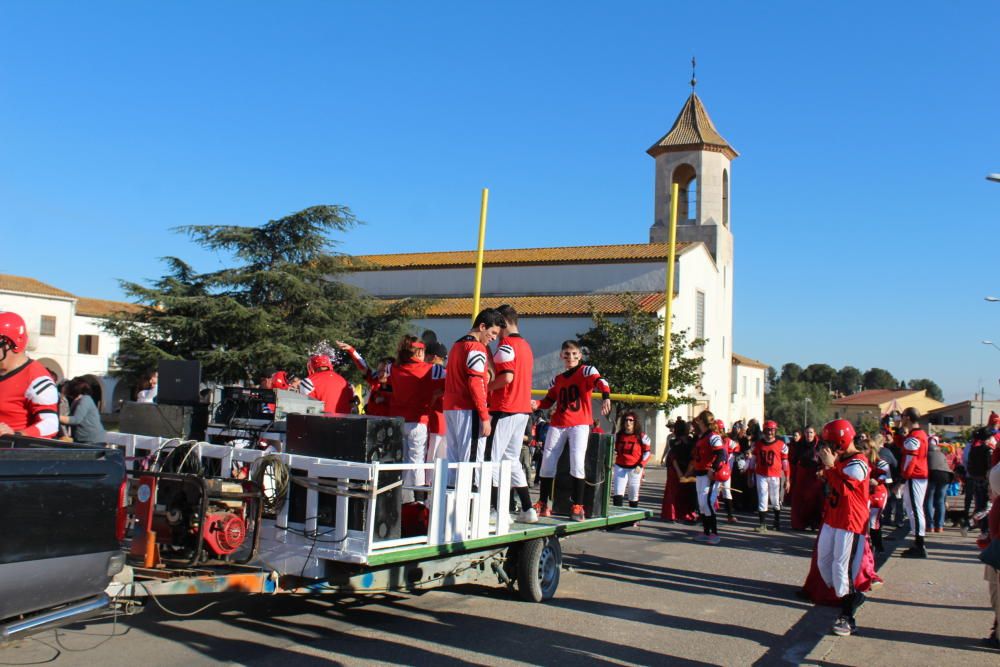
(538, 567)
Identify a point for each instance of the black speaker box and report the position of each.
(165, 421)
(595, 467)
(359, 438)
(179, 382)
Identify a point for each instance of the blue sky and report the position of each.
(864, 226)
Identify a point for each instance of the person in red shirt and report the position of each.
(436, 354)
(709, 455)
(510, 408)
(414, 385)
(29, 401)
(570, 392)
(840, 545)
(632, 451)
(466, 414)
(768, 461)
(327, 385)
(992, 574)
(732, 447)
(379, 390)
(914, 471)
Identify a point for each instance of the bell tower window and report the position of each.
(725, 197)
(687, 193)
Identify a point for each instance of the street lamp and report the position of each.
(993, 177)
(989, 342)
(991, 299)
(805, 412)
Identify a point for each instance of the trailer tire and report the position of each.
(538, 566)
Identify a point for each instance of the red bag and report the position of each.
(723, 473)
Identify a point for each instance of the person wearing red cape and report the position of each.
(842, 566)
(806, 493)
(679, 502)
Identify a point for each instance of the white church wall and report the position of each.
(515, 280)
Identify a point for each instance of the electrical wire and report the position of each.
(271, 469)
(178, 614)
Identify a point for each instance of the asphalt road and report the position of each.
(647, 595)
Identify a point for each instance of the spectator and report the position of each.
(977, 469)
(149, 386)
(807, 490)
(992, 574)
(84, 419)
(937, 483)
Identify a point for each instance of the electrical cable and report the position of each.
(271, 469)
(171, 612)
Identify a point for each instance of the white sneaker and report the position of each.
(527, 516)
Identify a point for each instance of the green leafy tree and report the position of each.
(629, 351)
(933, 390)
(820, 374)
(849, 379)
(791, 372)
(772, 378)
(879, 378)
(280, 298)
(788, 405)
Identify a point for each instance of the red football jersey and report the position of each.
(331, 388)
(570, 391)
(379, 400)
(770, 458)
(631, 449)
(29, 401)
(413, 386)
(706, 450)
(513, 355)
(914, 455)
(465, 384)
(846, 505)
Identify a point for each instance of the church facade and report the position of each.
(556, 289)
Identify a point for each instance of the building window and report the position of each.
(725, 197)
(758, 387)
(48, 326)
(86, 344)
(687, 193)
(699, 315)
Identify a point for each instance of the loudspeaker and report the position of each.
(164, 421)
(360, 438)
(595, 468)
(179, 382)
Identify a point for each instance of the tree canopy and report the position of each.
(279, 299)
(933, 390)
(629, 352)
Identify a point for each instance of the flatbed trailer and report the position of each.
(304, 555)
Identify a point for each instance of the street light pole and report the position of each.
(805, 412)
(993, 177)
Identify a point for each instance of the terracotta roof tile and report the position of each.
(629, 252)
(556, 305)
(693, 129)
(102, 308)
(875, 396)
(30, 286)
(747, 361)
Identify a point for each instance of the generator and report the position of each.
(189, 520)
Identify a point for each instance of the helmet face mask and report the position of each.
(13, 334)
(838, 434)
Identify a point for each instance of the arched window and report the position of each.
(687, 193)
(725, 197)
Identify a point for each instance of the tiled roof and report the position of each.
(102, 308)
(875, 396)
(557, 306)
(693, 129)
(30, 286)
(593, 254)
(747, 361)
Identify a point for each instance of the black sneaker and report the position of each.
(842, 627)
(854, 626)
(914, 552)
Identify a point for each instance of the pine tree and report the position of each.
(281, 298)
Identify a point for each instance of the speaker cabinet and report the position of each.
(595, 468)
(359, 438)
(164, 421)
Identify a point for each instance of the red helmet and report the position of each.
(723, 473)
(318, 361)
(279, 380)
(13, 329)
(721, 425)
(839, 433)
(770, 423)
(879, 497)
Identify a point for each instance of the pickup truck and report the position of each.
(62, 522)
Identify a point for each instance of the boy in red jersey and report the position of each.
(570, 391)
(327, 385)
(436, 354)
(913, 469)
(840, 545)
(732, 447)
(29, 401)
(379, 391)
(709, 455)
(510, 408)
(467, 417)
(768, 462)
(632, 451)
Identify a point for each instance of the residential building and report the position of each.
(874, 403)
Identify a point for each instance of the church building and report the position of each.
(555, 289)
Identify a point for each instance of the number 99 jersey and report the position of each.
(570, 392)
(847, 503)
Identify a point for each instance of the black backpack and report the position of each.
(979, 460)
